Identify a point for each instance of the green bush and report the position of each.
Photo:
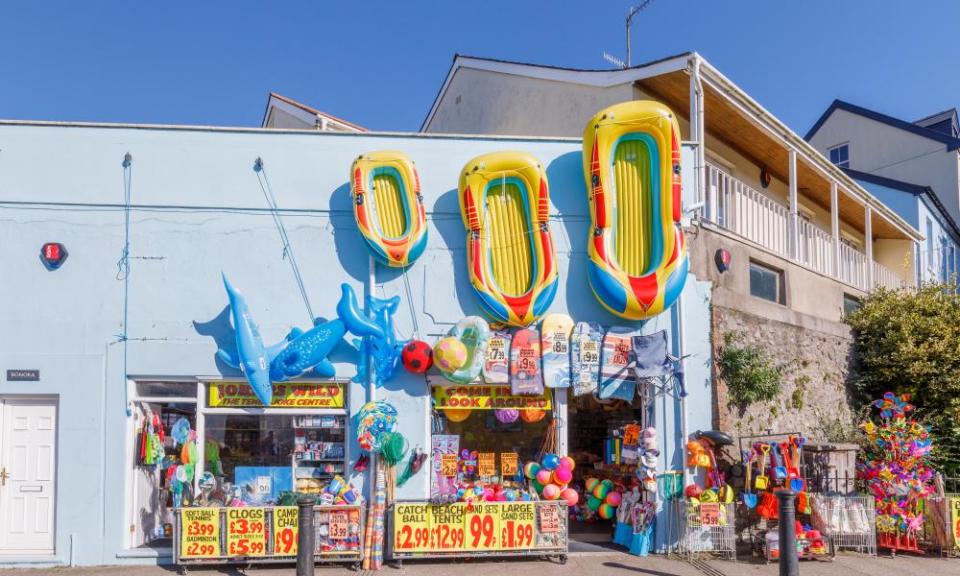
(749, 373)
(909, 342)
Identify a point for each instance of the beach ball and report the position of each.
(457, 414)
(551, 491)
(600, 491)
(594, 503)
(606, 511)
(532, 416)
(417, 356)
(614, 499)
(571, 496)
(590, 484)
(562, 476)
(567, 463)
(544, 476)
(450, 354)
(530, 470)
(608, 483)
(506, 415)
(551, 461)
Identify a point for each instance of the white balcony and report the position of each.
(753, 215)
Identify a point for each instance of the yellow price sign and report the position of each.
(448, 465)
(509, 463)
(446, 526)
(285, 523)
(200, 533)
(411, 526)
(481, 525)
(246, 532)
(487, 464)
(517, 525)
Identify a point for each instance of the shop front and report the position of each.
(172, 436)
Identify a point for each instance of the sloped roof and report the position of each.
(951, 142)
(914, 189)
(309, 109)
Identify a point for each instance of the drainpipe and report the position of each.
(682, 352)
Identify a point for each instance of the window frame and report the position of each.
(781, 281)
(838, 148)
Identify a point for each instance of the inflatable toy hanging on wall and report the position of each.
(505, 206)
(473, 334)
(637, 254)
(299, 352)
(388, 206)
(383, 347)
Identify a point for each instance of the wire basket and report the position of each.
(707, 528)
(849, 521)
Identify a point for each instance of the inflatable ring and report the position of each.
(388, 206)
(505, 206)
(637, 254)
(474, 332)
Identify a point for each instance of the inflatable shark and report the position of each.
(299, 352)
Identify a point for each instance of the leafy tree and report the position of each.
(909, 342)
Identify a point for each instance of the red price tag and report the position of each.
(339, 525)
(709, 514)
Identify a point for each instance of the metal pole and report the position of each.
(305, 536)
(629, 18)
(789, 563)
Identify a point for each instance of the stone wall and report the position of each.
(816, 367)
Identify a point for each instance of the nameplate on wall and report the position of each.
(23, 375)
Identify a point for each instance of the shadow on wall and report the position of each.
(446, 220)
(221, 331)
(350, 245)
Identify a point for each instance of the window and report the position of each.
(766, 283)
(840, 155)
(850, 304)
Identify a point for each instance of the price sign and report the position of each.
(246, 532)
(446, 526)
(339, 525)
(482, 527)
(549, 519)
(285, 520)
(411, 527)
(487, 464)
(589, 352)
(200, 533)
(509, 463)
(496, 350)
(709, 514)
(955, 520)
(448, 465)
(516, 525)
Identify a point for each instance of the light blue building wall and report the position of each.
(197, 209)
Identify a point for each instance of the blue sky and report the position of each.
(380, 64)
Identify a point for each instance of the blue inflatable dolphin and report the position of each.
(299, 352)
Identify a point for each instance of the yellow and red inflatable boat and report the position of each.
(637, 254)
(505, 206)
(388, 206)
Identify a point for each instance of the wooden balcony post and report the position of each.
(835, 227)
(868, 242)
(793, 232)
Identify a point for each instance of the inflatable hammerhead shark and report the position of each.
(299, 352)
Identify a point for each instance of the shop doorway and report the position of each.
(28, 439)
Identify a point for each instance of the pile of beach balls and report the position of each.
(551, 478)
(602, 497)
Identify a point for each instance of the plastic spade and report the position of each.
(762, 481)
(749, 498)
(779, 470)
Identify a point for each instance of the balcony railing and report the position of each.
(733, 205)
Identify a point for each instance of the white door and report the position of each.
(27, 473)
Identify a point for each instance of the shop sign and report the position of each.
(285, 520)
(23, 375)
(199, 532)
(481, 397)
(709, 514)
(487, 526)
(246, 532)
(285, 395)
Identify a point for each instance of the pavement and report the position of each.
(608, 563)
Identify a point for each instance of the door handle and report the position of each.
(3, 476)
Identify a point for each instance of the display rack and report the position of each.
(319, 451)
(702, 535)
(849, 521)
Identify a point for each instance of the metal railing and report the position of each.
(751, 214)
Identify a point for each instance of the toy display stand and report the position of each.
(939, 533)
(849, 521)
(707, 528)
(898, 541)
(327, 548)
(811, 545)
